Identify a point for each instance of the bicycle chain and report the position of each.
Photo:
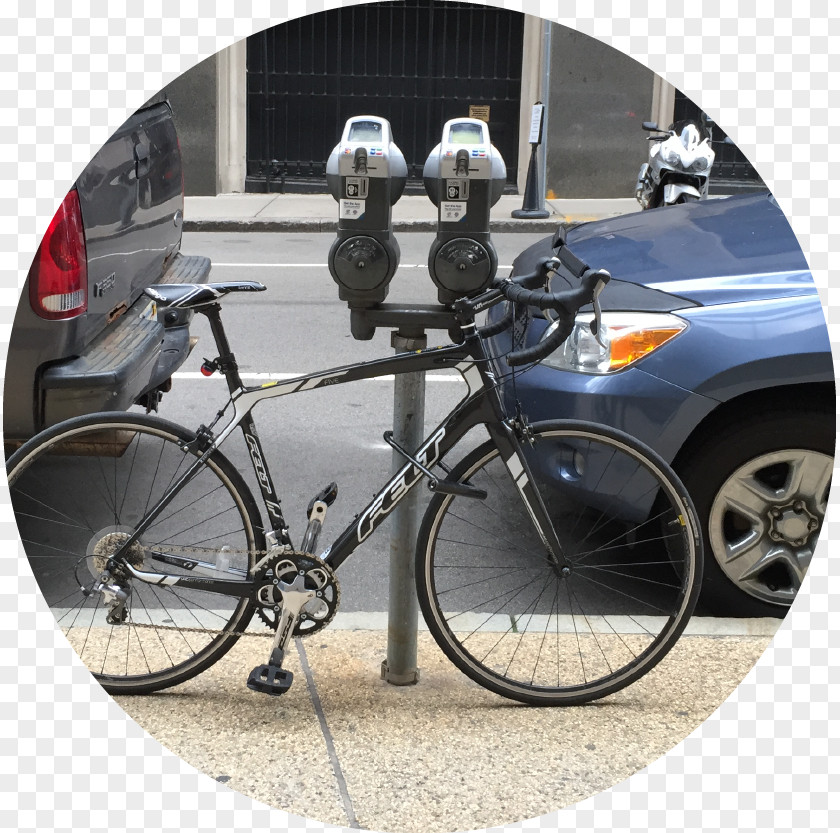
(205, 631)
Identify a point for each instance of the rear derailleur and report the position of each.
(114, 596)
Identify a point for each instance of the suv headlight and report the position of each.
(628, 336)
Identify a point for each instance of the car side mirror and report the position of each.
(650, 125)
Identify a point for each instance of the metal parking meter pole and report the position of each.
(400, 665)
(411, 322)
(366, 174)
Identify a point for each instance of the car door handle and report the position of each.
(142, 161)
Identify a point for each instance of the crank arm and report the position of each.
(293, 604)
(283, 637)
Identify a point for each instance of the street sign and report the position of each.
(536, 123)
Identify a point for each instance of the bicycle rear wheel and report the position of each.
(79, 490)
(518, 624)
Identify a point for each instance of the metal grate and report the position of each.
(416, 64)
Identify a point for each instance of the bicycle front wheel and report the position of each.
(79, 490)
(510, 617)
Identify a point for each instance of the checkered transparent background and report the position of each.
(769, 72)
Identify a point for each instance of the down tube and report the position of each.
(470, 413)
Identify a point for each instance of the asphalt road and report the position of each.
(298, 326)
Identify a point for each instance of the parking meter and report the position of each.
(366, 174)
(464, 176)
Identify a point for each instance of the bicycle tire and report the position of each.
(79, 488)
(504, 614)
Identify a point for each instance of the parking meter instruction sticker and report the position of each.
(356, 188)
(453, 212)
(352, 209)
(457, 189)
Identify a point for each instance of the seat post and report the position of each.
(226, 361)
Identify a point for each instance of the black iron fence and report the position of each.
(415, 63)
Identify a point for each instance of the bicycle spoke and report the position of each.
(479, 581)
(625, 594)
(534, 605)
(510, 544)
(160, 636)
(630, 576)
(162, 519)
(607, 545)
(573, 633)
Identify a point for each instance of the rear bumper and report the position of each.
(136, 354)
(110, 374)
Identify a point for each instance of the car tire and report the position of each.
(760, 486)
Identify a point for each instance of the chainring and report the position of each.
(316, 614)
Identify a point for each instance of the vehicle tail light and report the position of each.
(58, 275)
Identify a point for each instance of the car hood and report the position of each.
(717, 251)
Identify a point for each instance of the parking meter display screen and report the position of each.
(465, 134)
(365, 131)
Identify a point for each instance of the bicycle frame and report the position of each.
(482, 405)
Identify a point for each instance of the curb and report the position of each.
(318, 225)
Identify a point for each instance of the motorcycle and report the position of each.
(679, 164)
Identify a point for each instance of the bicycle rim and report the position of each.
(507, 614)
(79, 490)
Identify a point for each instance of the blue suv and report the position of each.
(717, 355)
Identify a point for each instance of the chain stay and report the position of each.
(259, 555)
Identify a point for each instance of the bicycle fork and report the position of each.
(511, 439)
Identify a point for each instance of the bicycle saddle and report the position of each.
(194, 295)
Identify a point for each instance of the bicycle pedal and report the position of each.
(327, 495)
(461, 489)
(270, 679)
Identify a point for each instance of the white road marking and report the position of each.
(312, 265)
(282, 377)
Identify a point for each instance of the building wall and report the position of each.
(597, 101)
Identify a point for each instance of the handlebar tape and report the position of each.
(541, 349)
(565, 303)
(532, 279)
(504, 323)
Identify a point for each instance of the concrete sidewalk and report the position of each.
(319, 212)
(343, 747)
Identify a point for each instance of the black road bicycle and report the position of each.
(556, 563)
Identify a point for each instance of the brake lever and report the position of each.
(550, 269)
(595, 325)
